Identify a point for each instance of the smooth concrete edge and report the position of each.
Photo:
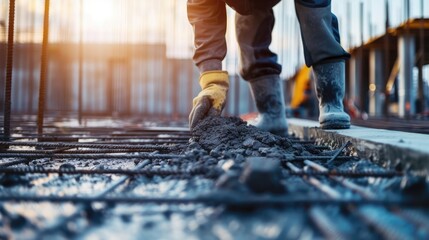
(383, 152)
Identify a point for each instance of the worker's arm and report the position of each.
(208, 18)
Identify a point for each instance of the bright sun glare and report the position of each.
(100, 12)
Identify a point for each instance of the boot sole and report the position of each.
(281, 133)
(335, 125)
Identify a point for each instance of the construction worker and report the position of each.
(258, 65)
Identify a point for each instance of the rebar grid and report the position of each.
(320, 170)
(383, 228)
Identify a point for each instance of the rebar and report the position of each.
(348, 173)
(91, 145)
(133, 156)
(9, 72)
(222, 199)
(130, 172)
(80, 78)
(43, 69)
(124, 135)
(381, 227)
(14, 162)
(91, 156)
(68, 151)
(345, 182)
(81, 208)
(325, 224)
(302, 158)
(104, 138)
(326, 189)
(338, 152)
(195, 171)
(414, 216)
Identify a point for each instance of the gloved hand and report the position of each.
(211, 100)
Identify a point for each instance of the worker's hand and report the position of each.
(211, 100)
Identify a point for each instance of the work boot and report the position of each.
(267, 92)
(330, 88)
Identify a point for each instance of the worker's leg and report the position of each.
(254, 39)
(260, 68)
(322, 50)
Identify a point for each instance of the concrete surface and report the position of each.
(388, 148)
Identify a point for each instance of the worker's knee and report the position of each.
(314, 3)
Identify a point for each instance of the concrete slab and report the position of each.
(387, 148)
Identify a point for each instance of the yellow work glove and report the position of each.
(211, 100)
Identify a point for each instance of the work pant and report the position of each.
(319, 33)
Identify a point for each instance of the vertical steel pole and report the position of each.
(407, 10)
(421, 92)
(190, 82)
(31, 60)
(9, 70)
(361, 22)
(406, 94)
(359, 83)
(376, 76)
(43, 70)
(386, 61)
(79, 91)
(175, 95)
(237, 95)
(349, 23)
(129, 59)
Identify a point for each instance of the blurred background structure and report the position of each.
(133, 58)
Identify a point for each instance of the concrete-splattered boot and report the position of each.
(267, 92)
(330, 88)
